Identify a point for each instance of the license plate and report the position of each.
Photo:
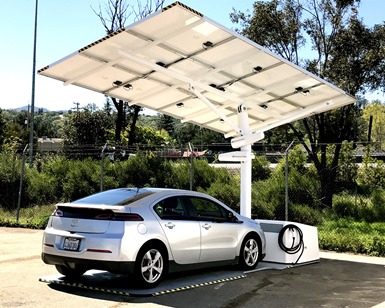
(71, 244)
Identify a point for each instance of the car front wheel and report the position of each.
(249, 254)
(150, 266)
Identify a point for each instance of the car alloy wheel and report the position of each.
(150, 266)
(249, 255)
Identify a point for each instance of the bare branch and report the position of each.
(116, 15)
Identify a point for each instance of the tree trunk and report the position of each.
(134, 119)
(119, 118)
(327, 180)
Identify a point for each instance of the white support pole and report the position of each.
(246, 165)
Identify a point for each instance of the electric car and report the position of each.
(147, 232)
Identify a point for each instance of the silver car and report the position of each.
(146, 232)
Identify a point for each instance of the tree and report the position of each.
(2, 128)
(187, 132)
(116, 14)
(342, 50)
(85, 128)
(48, 124)
(375, 112)
(150, 136)
(167, 123)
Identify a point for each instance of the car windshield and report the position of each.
(116, 196)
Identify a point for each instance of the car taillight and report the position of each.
(96, 214)
(127, 217)
(99, 250)
(58, 213)
(107, 216)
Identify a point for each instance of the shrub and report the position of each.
(41, 187)
(203, 175)
(268, 199)
(143, 169)
(372, 173)
(347, 168)
(344, 205)
(179, 176)
(227, 192)
(378, 202)
(57, 167)
(346, 235)
(369, 209)
(35, 217)
(303, 188)
(82, 179)
(10, 167)
(260, 168)
(303, 213)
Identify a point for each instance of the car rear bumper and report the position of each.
(110, 266)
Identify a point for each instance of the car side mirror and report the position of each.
(231, 217)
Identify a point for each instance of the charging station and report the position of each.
(290, 242)
(180, 63)
(198, 71)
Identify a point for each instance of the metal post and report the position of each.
(102, 168)
(191, 166)
(31, 128)
(287, 181)
(21, 184)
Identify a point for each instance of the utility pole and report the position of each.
(31, 128)
(77, 106)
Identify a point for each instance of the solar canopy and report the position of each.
(183, 64)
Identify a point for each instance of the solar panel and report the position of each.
(183, 64)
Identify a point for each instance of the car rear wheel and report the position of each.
(250, 252)
(150, 266)
(70, 272)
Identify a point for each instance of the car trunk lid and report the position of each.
(86, 218)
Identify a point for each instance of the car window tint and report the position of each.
(115, 197)
(205, 209)
(171, 208)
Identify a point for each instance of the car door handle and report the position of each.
(206, 226)
(170, 225)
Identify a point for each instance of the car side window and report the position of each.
(171, 208)
(205, 209)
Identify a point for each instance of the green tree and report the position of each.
(48, 124)
(86, 128)
(167, 123)
(344, 52)
(187, 132)
(372, 173)
(375, 112)
(14, 132)
(149, 136)
(2, 128)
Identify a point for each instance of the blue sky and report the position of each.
(66, 26)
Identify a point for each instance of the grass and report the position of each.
(347, 235)
(35, 217)
(342, 235)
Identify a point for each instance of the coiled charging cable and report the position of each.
(295, 247)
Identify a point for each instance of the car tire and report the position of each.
(250, 252)
(150, 266)
(69, 272)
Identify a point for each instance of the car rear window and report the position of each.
(115, 197)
